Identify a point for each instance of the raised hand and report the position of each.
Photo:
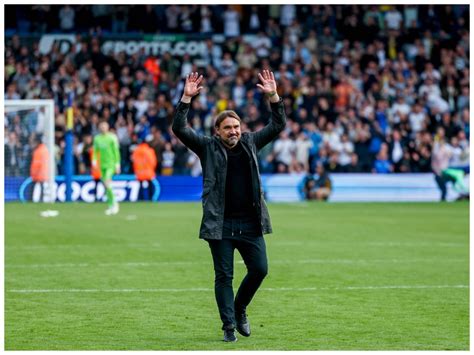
(268, 83)
(191, 87)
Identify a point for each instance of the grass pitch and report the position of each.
(341, 277)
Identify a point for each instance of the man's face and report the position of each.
(229, 131)
(103, 127)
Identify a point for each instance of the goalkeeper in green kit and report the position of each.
(107, 155)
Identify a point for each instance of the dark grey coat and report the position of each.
(213, 157)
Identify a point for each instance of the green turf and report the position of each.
(149, 252)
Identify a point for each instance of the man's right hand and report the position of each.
(191, 87)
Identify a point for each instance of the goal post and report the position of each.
(27, 124)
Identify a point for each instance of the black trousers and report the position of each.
(442, 181)
(245, 236)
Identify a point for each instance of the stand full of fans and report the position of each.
(367, 88)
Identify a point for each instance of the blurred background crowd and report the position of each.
(367, 88)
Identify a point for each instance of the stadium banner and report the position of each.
(151, 44)
(277, 188)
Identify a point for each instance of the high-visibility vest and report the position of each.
(144, 162)
(152, 67)
(40, 164)
(95, 170)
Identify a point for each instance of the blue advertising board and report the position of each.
(277, 188)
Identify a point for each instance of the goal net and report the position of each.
(30, 166)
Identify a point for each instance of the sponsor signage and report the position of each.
(277, 188)
(125, 188)
(64, 43)
(157, 45)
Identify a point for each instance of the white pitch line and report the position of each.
(418, 244)
(74, 246)
(78, 265)
(189, 262)
(270, 289)
(375, 243)
(273, 243)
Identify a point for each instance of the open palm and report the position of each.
(268, 83)
(191, 86)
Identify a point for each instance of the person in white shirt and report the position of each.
(345, 148)
(231, 22)
(254, 21)
(206, 19)
(431, 72)
(287, 14)
(417, 117)
(433, 95)
(186, 66)
(399, 107)
(66, 18)
(330, 136)
(302, 146)
(194, 163)
(284, 149)
(396, 149)
(262, 45)
(393, 19)
(141, 104)
(442, 153)
(228, 66)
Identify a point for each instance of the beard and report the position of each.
(232, 141)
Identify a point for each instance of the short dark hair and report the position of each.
(223, 115)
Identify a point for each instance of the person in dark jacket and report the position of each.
(320, 188)
(235, 215)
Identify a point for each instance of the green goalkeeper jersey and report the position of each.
(106, 150)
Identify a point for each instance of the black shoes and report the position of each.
(243, 325)
(229, 336)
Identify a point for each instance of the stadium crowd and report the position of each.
(367, 88)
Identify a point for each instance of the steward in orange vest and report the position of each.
(144, 162)
(39, 163)
(95, 168)
(144, 166)
(39, 168)
(95, 171)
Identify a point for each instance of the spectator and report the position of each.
(415, 65)
(262, 45)
(231, 22)
(172, 15)
(353, 166)
(167, 159)
(393, 19)
(194, 164)
(440, 161)
(302, 148)
(417, 118)
(206, 25)
(66, 18)
(13, 155)
(345, 148)
(142, 128)
(227, 65)
(382, 165)
(283, 151)
(396, 149)
(287, 15)
(318, 188)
